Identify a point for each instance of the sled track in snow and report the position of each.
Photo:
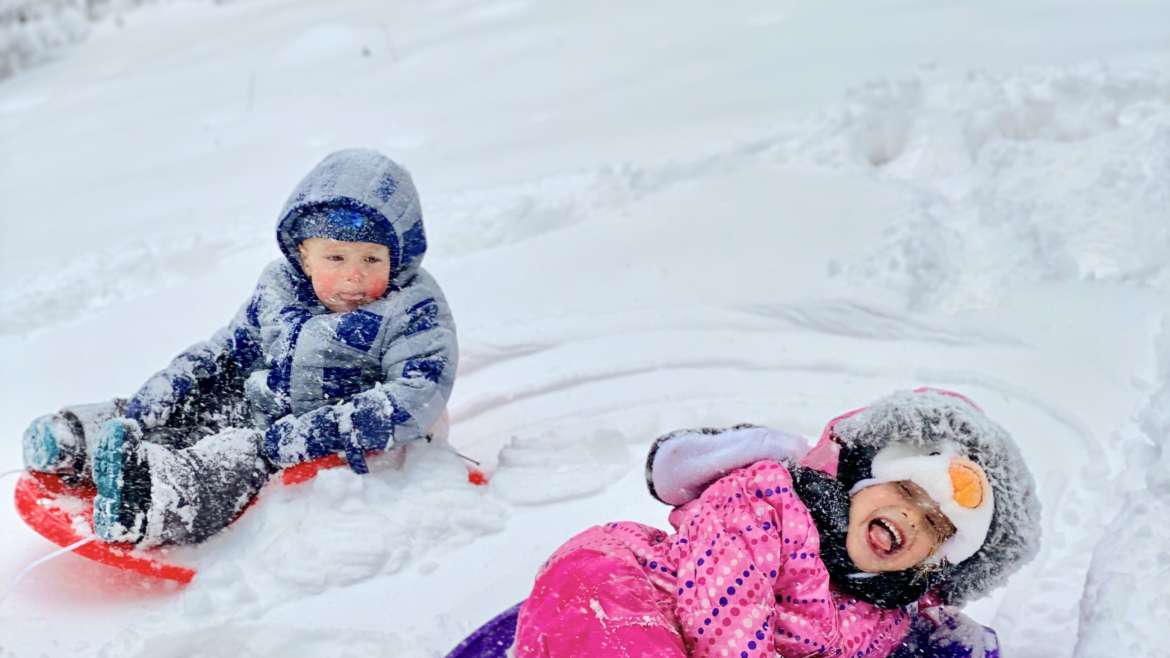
(618, 357)
(836, 317)
(472, 409)
(856, 320)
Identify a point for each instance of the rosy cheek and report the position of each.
(374, 289)
(325, 282)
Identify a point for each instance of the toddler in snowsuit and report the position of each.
(778, 551)
(345, 347)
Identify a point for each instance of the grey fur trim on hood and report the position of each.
(927, 419)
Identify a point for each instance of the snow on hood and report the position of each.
(368, 182)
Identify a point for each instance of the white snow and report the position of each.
(552, 467)
(339, 529)
(1121, 610)
(645, 217)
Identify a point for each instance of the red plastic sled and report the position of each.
(63, 514)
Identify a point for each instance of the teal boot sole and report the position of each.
(108, 464)
(41, 450)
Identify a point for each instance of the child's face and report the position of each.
(346, 275)
(894, 526)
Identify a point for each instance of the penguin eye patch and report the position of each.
(939, 524)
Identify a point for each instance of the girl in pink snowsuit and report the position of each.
(918, 496)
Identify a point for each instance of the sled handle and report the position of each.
(306, 471)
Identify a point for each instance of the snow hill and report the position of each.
(645, 216)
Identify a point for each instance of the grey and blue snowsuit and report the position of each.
(287, 380)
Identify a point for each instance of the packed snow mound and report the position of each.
(1008, 178)
(1125, 601)
(30, 30)
(338, 529)
(1154, 420)
(555, 466)
(936, 123)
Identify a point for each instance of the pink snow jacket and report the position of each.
(740, 577)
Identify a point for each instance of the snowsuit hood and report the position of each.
(928, 418)
(366, 182)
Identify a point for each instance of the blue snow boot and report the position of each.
(122, 478)
(54, 444)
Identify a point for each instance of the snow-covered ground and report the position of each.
(646, 216)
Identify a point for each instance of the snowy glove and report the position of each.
(944, 631)
(53, 444)
(356, 428)
(295, 439)
(681, 464)
(372, 422)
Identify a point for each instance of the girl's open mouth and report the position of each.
(885, 538)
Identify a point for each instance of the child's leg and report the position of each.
(205, 412)
(589, 604)
(63, 442)
(198, 491)
(153, 494)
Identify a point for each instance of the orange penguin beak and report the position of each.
(968, 482)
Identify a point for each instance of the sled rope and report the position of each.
(462, 456)
(13, 472)
(38, 562)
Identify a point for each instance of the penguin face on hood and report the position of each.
(929, 420)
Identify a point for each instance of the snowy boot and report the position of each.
(198, 491)
(60, 443)
(152, 494)
(53, 445)
(122, 478)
